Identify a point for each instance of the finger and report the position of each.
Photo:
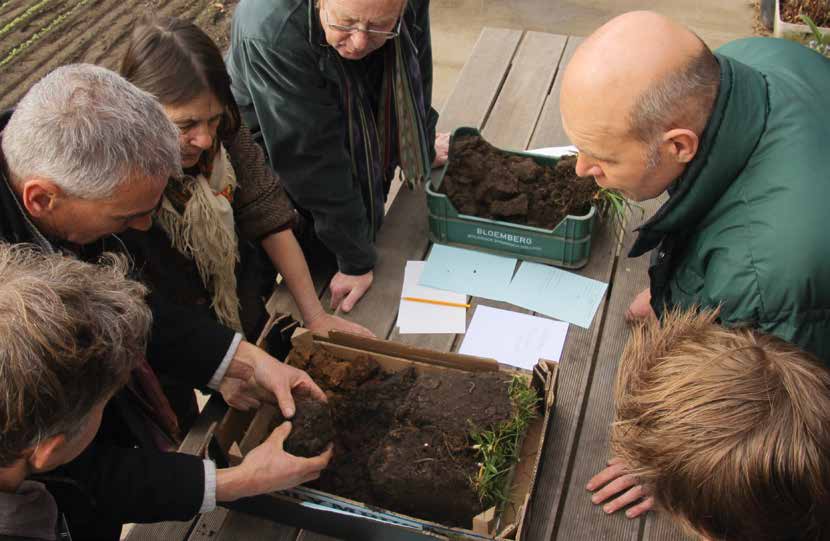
(279, 434)
(337, 295)
(284, 399)
(318, 462)
(308, 384)
(634, 494)
(610, 473)
(351, 299)
(615, 460)
(643, 507)
(614, 487)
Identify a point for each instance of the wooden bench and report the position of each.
(509, 88)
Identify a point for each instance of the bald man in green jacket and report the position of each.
(739, 139)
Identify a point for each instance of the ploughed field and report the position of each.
(36, 36)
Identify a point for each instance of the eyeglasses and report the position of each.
(380, 34)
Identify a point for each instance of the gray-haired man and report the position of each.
(86, 155)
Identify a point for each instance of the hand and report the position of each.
(240, 394)
(346, 290)
(640, 308)
(326, 322)
(267, 378)
(615, 480)
(442, 149)
(268, 468)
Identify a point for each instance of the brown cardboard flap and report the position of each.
(451, 360)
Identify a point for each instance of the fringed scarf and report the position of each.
(197, 215)
(396, 128)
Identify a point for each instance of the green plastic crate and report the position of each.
(568, 245)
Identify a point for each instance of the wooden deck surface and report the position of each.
(508, 88)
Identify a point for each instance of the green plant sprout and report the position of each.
(613, 205)
(498, 449)
(821, 40)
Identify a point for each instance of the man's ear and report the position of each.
(45, 456)
(683, 144)
(40, 196)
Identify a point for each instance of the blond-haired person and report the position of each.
(726, 428)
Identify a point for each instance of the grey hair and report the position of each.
(685, 96)
(89, 131)
(72, 333)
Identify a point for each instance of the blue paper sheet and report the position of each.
(467, 271)
(556, 293)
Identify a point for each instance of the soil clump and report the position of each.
(483, 181)
(402, 438)
(312, 427)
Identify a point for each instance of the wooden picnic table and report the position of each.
(509, 88)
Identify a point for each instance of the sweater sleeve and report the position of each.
(297, 114)
(261, 206)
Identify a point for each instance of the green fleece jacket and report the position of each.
(286, 85)
(745, 226)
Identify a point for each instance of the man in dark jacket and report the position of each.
(86, 155)
(338, 93)
(739, 140)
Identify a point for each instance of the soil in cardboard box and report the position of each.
(312, 427)
(483, 181)
(402, 438)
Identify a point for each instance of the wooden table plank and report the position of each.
(549, 129)
(579, 516)
(574, 377)
(516, 112)
(480, 79)
(660, 527)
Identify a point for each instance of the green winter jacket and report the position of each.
(746, 224)
(286, 84)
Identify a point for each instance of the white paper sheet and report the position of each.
(513, 338)
(418, 317)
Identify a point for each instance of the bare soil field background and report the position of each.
(36, 36)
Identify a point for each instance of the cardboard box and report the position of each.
(340, 517)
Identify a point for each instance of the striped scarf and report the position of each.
(396, 131)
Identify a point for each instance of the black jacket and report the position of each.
(122, 477)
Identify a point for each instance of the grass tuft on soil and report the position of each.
(498, 449)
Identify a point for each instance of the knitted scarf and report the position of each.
(197, 215)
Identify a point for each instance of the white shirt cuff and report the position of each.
(209, 498)
(219, 375)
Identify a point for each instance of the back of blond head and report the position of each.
(730, 429)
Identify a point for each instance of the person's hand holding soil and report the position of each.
(623, 488)
(268, 468)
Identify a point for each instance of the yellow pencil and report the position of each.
(439, 303)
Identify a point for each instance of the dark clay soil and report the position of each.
(401, 439)
(312, 427)
(818, 10)
(484, 181)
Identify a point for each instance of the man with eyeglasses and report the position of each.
(338, 93)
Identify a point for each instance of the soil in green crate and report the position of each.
(483, 181)
(401, 438)
(818, 10)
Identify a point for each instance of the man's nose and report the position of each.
(202, 139)
(583, 165)
(360, 40)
